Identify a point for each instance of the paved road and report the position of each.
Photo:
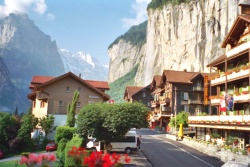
(162, 152)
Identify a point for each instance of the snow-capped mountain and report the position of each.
(84, 64)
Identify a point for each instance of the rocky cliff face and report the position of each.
(186, 36)
(25, 47)
(25, 51)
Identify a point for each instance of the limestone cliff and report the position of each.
(186, 36)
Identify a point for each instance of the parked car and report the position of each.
(51, 146)
(1, 154)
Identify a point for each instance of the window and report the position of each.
(60, 103)
(143, 94)
(184, 95)
(42, 104)
(78, 104)
(79, 89)
(149, 103)
(67, 89)
(34, 104)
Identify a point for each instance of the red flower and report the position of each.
(127, 158)
(24, 160)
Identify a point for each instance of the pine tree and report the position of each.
(72, 110)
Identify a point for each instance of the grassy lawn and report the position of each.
(11, 164)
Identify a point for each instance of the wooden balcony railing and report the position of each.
(195, 101)
(198, 88)
(232, 74)
(42, 95)
(220, 119)
(168, 113)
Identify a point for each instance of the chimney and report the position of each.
(244, 7)
(185, 70)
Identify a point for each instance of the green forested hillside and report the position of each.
(117, 88)
(136, 35)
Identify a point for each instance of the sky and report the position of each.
(89, 26)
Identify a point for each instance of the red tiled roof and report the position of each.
(99, 84)
(39, 80)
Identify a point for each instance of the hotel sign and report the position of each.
(206, 90)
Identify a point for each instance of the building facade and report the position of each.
(51, 95)
(138, 94)
(229, 81)
(176, 91)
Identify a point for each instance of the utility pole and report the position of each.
(175, 108)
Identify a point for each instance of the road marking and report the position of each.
(184, 151)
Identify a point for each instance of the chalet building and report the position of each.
(138, 94)
(176, 91)
(229, 82)
(51, 95)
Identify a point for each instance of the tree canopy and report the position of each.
(181, 118)
(106, 122)
(47, 124)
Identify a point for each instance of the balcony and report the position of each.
(242, 97)
(220, 119)
(164, 100)
(165, 109)
(166, 113)
(231, 75)
(238, 49)
(42, 95)
(195, 101)
(198, 88)
(153, 103)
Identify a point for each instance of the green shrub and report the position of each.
(60, 152)
(69, 160)
(64, 132)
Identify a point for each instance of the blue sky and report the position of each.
(81, 25)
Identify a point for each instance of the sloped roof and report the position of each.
(131, 90)
(39, 80)
(217, 61)
(99, 84)
(157, 80)
(42, 79)
(179, 76)
(69, 74)
(236, 30)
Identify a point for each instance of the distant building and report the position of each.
(176, 91)
(51, 95)
(138, 94)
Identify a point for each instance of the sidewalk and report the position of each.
(138, 159)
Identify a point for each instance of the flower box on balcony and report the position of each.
(245, 67)
(229, 72)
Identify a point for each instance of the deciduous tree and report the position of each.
(47, 124)
(106, 122)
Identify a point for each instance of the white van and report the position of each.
(127, 144)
